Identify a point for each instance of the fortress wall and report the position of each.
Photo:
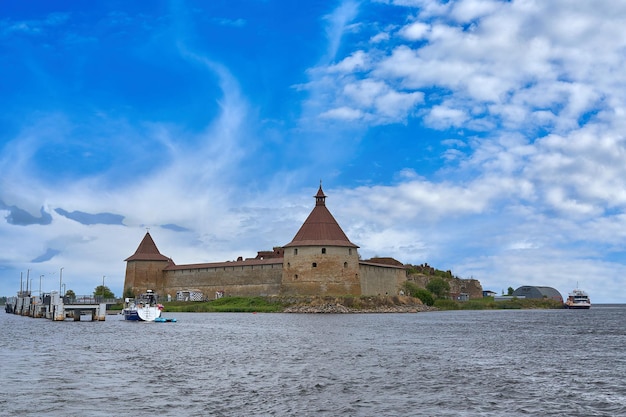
(381, 280)
(236, 280)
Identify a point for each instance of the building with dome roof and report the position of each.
(320, 260)
(532, 291)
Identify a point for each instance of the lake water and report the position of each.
(458, 363)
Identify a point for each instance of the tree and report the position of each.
(104, 292)
(439, 287)
(510, 291)
(70, 294)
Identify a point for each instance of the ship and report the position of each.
(142, 308)
(578, 299)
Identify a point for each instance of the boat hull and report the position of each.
(578, 306)
(130, 315)
(141, 313)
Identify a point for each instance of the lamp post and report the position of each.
(60, 280)
(40, 276)
(103, 287)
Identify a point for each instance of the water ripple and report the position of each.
(485, 363)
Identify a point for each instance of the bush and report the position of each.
(425, 296)
(414, 290)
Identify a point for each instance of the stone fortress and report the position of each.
(319, 261)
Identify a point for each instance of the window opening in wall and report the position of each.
(323, 250)
(288, 264)
(295, 251)
(345, 264)
(295, 276)
(314, 265)
(349, 251)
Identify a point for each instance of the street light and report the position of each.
(40, 276)
(103, 287)
(60, 280)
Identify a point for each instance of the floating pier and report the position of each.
(52, 306)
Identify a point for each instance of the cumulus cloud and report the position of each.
(537, 86)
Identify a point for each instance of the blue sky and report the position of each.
(484, 137)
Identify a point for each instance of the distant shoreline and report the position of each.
(351, 305)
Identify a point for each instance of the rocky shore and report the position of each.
(368, 304)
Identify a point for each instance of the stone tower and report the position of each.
(321, 260)
(144, 269)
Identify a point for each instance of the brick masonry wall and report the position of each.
(144, 275)
(236, 280)
(376, 280)
(310, 271)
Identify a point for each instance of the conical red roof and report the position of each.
(147, 251)
(320, 228)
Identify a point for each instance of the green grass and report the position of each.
(262, 305)
(443, 304)
(488, 303)
(225, 305)
(528, 303)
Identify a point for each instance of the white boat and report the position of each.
(578, 299)
(142, 308)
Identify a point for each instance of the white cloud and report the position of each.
(415, 31)
(442, 117)
(380, 37)
(468, 10)
(338, 22)
(355, 62)
(343, 113)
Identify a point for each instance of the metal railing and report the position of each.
(89, 299)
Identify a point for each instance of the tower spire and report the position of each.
(320, 228)
(320, 198)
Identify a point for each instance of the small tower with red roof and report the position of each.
(144, 269)
(320, 260)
